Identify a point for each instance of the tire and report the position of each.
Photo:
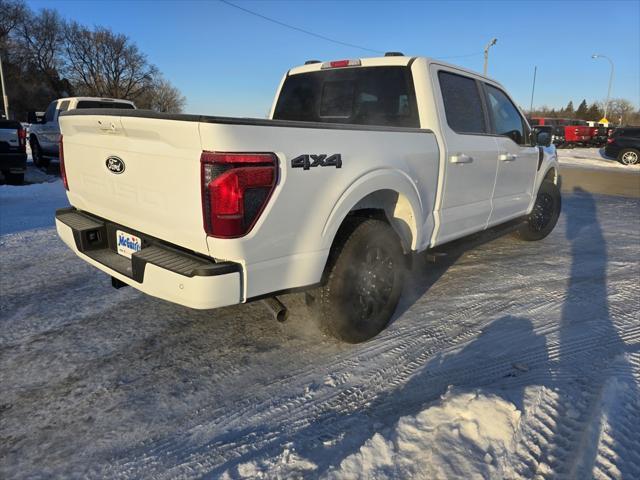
(544, 216)
(629, 156)
(14, 178)
(37, 155)
(362, 282)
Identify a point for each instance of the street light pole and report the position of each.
(606, 105)
(486, 53)
(5, 99)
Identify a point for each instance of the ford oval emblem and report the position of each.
(115, 165)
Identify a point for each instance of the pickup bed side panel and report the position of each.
(289, 244)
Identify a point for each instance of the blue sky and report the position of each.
(228, 62)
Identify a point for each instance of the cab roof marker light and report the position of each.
(341, 64)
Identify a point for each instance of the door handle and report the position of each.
(507, 157)
(460, 158)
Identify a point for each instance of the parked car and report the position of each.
(568, 132)
(44, 133)
(624, 145)
(361, 163)
(599, 135)
(13, 154)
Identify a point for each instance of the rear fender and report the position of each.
(389, 190)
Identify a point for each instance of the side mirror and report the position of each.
(541, 136)
(543, 139)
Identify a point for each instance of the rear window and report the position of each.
(627, 132)
(99, 104)
(381, 96)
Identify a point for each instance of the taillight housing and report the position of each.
(610, 140)
(63, 172)
(236, 188)
(22, 138)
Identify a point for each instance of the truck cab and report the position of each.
(44, 133)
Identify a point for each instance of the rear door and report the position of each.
(517, 159)
(470, 155)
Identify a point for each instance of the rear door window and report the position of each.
(381, 96)
(462, 103)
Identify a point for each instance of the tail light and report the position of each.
(63, 172)
(22, 138)
(610, 140)
(236, 187)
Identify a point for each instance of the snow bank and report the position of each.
(468, 435)
(592, 158)
(30, 206)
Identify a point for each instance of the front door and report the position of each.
(470, 156)
(517, 159)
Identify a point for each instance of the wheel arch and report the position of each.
(383, 192)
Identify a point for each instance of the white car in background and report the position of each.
(44, 132)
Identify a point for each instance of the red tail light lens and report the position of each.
(63, 172)
(22, 137)
(236, 187)
(610, 140)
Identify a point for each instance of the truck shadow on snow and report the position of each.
(506, 358)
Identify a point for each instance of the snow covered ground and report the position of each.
(512, 360)
(592, 158)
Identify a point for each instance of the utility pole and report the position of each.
(533, 88)
(486, 53)
(606, 105)
(5, 99)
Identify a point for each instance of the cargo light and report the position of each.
(236, 188)
(341, 64)
(63, 171)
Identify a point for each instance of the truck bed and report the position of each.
(159, 192)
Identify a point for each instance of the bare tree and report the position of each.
(162, 97)
(620, 111)
(106, 64)
(40, 43)
(13, 14)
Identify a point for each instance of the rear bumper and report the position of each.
(13, 162)
(158, 270)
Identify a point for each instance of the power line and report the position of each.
(278, 22)
(323, 37)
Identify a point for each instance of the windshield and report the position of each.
(362, 96)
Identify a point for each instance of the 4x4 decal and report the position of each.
(308, 161)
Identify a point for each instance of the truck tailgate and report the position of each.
(156, 191)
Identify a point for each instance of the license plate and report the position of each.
(127, 244)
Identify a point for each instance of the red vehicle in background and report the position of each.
(567, 132)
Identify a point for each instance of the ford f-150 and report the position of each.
(361, 163)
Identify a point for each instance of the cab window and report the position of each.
(462, 103)
(64, 106)
(49, 114)
(505, 116)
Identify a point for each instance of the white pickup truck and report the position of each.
(361, 163)
(44, 132)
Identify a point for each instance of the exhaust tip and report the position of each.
(276, 308)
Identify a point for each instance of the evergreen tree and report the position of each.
(594, 112)
(569, 111)
(582, 110)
